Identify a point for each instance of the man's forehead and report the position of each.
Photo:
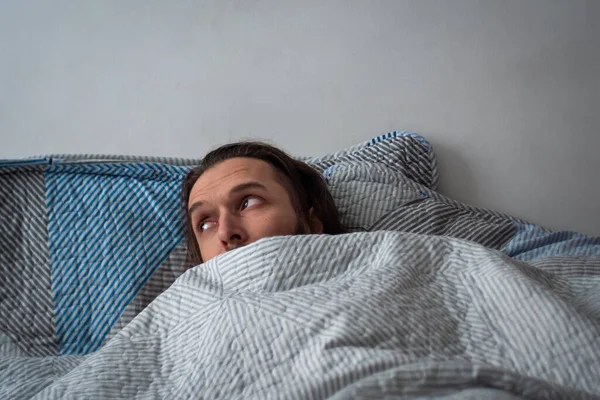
(229, 173)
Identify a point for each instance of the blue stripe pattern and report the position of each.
(395, 134)
(531, 242)
(110, 226)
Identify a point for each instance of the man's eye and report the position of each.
(205, 225)
(251, 201)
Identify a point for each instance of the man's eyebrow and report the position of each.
(248, 185)
(236, 189)
(194, 207)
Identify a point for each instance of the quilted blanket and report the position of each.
(362, 315)
(482, 305)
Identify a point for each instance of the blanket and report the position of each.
(361, 315)
(88, 241)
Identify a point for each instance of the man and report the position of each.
(245, 191)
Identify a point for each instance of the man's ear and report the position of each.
(316, 225)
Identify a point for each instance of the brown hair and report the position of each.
(305, 185)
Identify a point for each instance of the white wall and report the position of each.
(507, 91)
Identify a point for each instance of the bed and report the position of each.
(426, 298)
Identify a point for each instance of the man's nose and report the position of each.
(231, 232)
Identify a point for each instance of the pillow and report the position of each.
(87, 241)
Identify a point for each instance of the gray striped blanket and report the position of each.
(445, 299)
(356, 316)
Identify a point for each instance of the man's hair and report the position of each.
(306, 187)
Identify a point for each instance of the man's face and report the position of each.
(237, 202)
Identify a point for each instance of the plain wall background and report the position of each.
(506, 91)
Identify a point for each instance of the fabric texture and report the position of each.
(362, 315)
(110, 227)
(89, 242)
(26, 307)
